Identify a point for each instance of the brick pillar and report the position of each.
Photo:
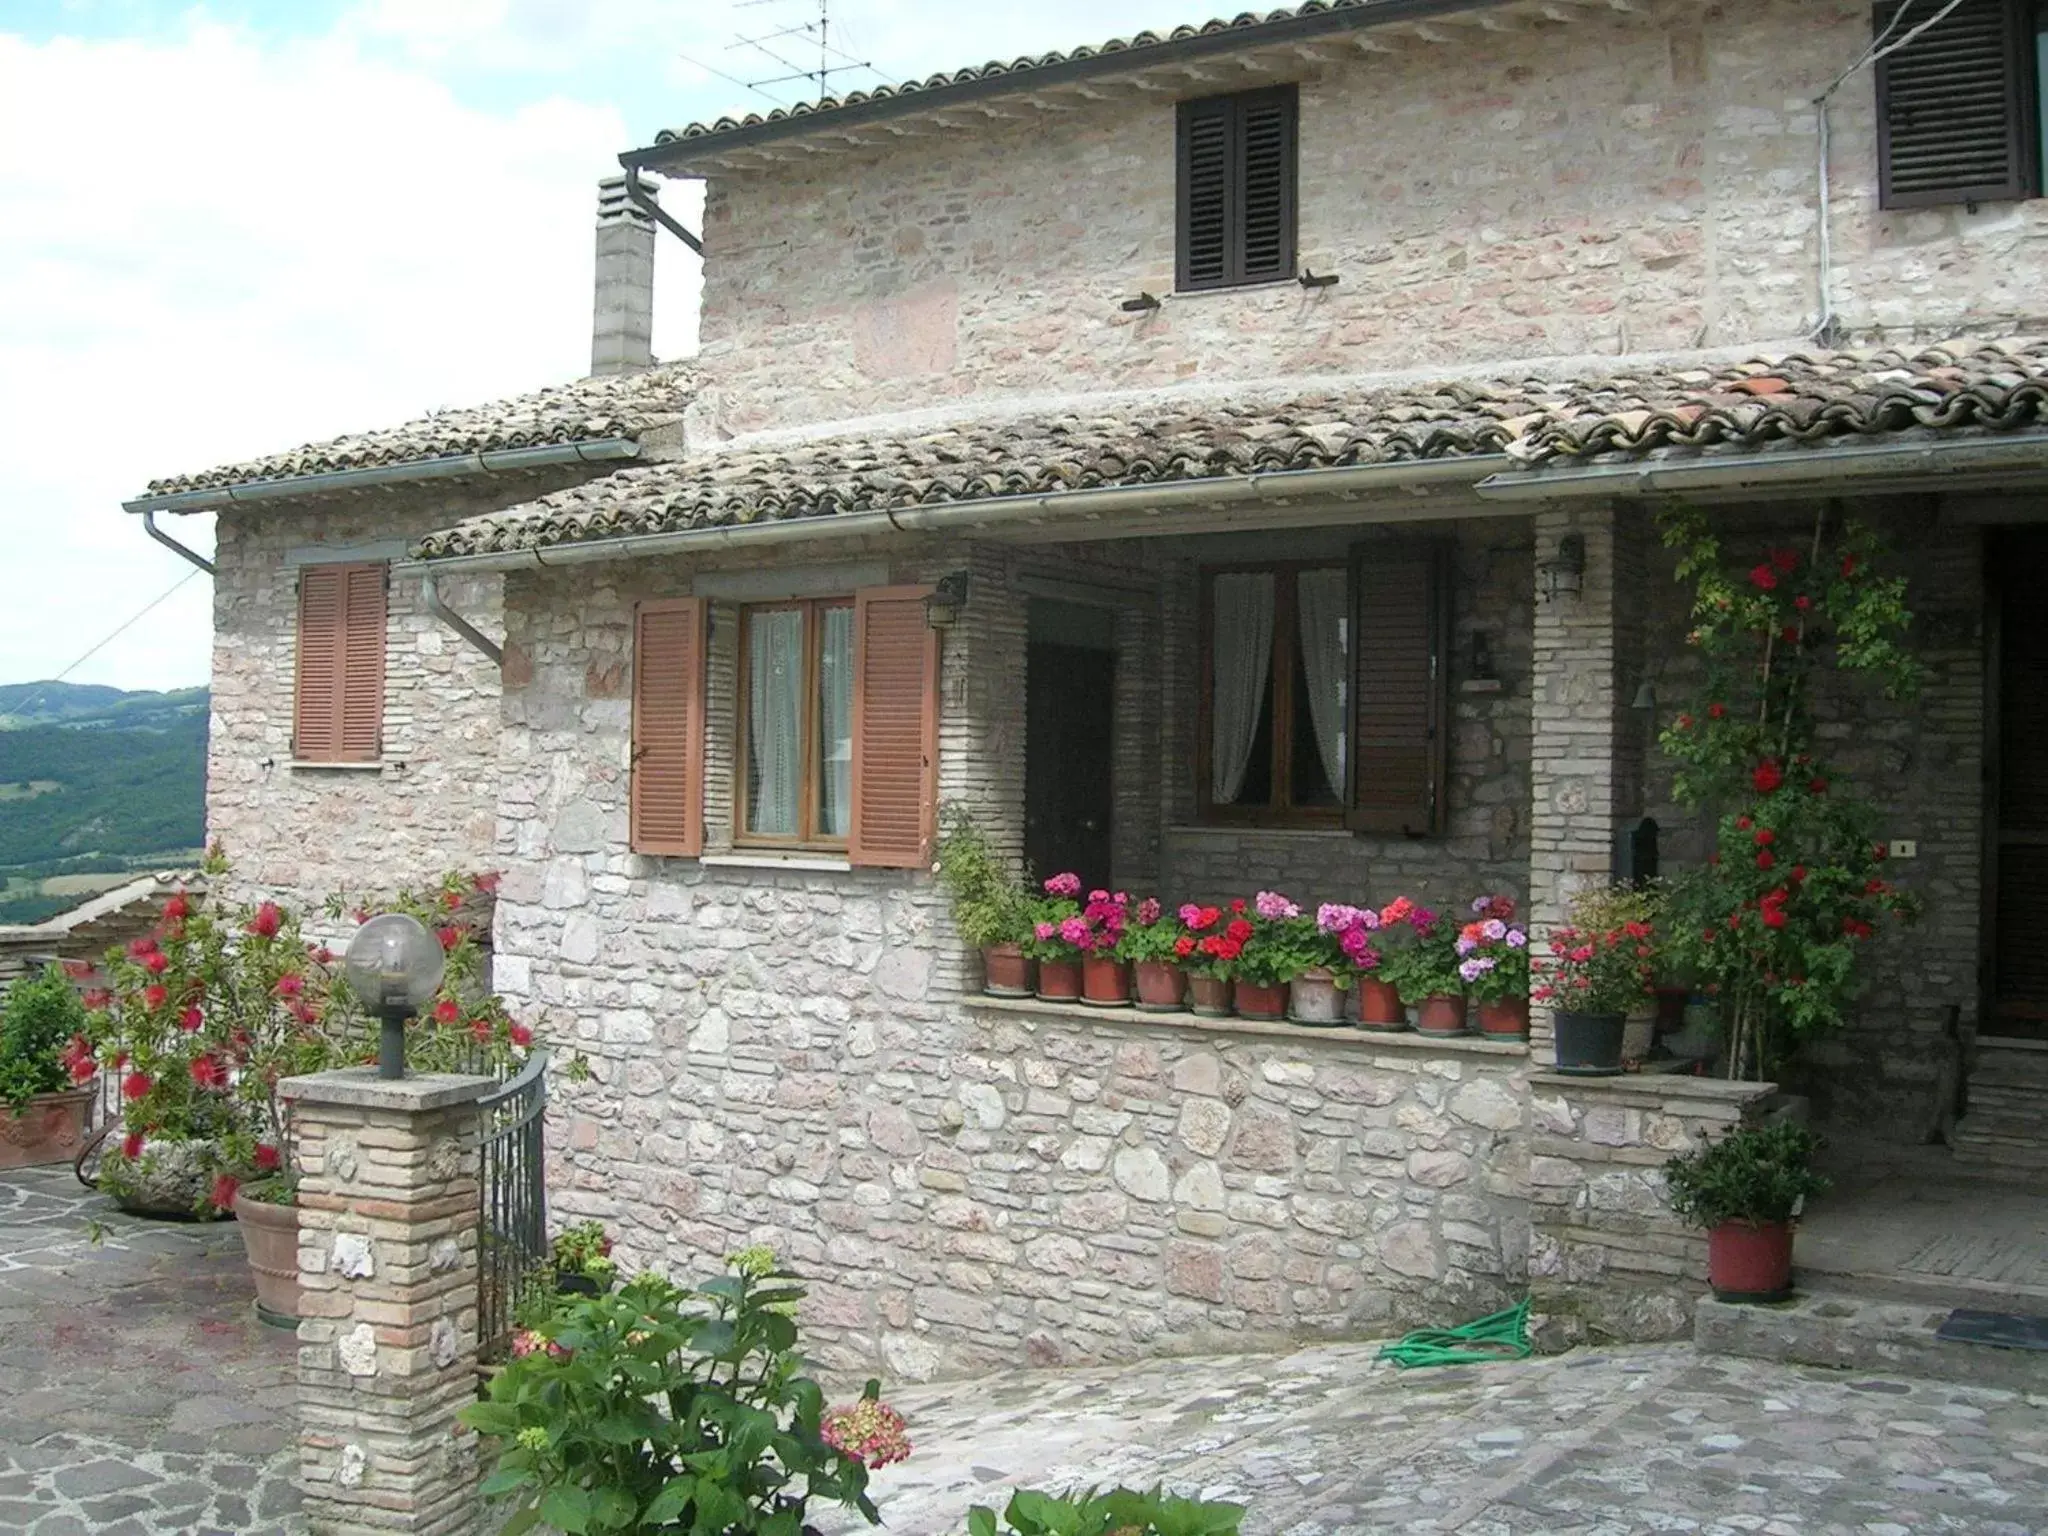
(388, 1300)
(1586, 756)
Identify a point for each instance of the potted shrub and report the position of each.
(1152, 946)
(1058, 934)
(1746, 1190)
(42, 1113)
(581, 1257)
(1208, 951)
(1599, 969)
(1266, 959)
(1493, 962)
(1423, 967)
(1308, 946)
(1105, 974)
(990, 907)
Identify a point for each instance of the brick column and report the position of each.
(388, 1297)
(1586, 755)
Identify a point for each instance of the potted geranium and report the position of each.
(990, 907)
(1105, 974)
(42, 1115)
(1423, 967)
(1597, 972)
(1059, 935)
(1152, 945)
(1355, 930)
(1208, 953)
(1493, 962)
(581, 1256)
(1266, 959)
(1309, 947)
(1746, 1190)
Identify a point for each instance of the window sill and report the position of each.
(1341, 1039)
(1253, 829)
(808, 863)
(298, 766)
(1181, 295)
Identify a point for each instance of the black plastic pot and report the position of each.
(1589, 1044)
(578, 1285)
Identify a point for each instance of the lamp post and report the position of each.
(394, 965)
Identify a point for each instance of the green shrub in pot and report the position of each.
(1755, 1174)
(42, 1013)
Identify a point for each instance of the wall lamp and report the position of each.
(1564, 573)
(947, 597)
(1140, 304)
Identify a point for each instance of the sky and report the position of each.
(231, 228)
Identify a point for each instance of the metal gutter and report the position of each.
(661, 156)
(1780, 469)
(149, 527)
(494, 461)
(430, 591)
(1115, 508)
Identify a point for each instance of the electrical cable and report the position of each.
(122, 628)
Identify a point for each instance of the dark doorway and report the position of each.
(1069, 720)
(2017, 862)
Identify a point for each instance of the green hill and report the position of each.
(94, 782)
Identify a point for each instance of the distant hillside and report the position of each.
(94, 782)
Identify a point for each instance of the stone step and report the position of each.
(2001, 1125)
(1865, 1334)
(2014, 1063)
(2022, 1101)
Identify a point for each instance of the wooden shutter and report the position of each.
(1955, 107)
(895, 729)
(1400, 634)
(668, 728)
(1236, 180)
(338, 711)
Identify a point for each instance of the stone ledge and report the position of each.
(1345, 1039)
(362, 1088)
(1658, 1086)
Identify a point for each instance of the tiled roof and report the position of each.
(621, 405)
(1803, 398)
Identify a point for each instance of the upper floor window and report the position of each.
(1236, 189)
(338, 703)
(1958, 112)
(796, 722)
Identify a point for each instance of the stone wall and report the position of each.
(1633, 181)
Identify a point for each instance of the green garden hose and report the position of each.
(1503, 1336)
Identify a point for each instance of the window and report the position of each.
(338, 703)
(1236, 178)
(796, 723)
(1323, 692)
(1957, 108)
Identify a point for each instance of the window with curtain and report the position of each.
(796, 723)
(1276, 670)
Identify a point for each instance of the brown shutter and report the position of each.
(895, 729)
(1955, 114)
(1267, 128)
(1205, 187)
(338, 708)
(1236, 178)
(668, 728)
(1400, 628)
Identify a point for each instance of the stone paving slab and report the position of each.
(139, 1396)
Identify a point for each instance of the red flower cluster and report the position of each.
(155, 995)
(446, 1011)
(268, 1158)
(177, 909)
(78, 1060)
(225, 1188)
(208, 1072)
(1772, 908)
(267, 921)
(136, 1085)
(1769, 775)
(450, 936)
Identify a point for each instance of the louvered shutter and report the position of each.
(1955, 113)
(668, 728)
(1236, 181)
(895, 729)
(1400, 628)
(338, 707)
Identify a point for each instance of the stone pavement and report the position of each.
(139, 1396)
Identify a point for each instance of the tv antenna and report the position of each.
(784, 49)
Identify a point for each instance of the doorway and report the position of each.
(1069, 748)
(2016, 852)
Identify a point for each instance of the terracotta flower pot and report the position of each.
(49, 1128)
(1589, 1044)
(271, 1234)
(1059, 981)
(1105, 982)
(1507, 1018)
(1313, 999)
(1006, 971)
(1380, 1006)
(1442, 1014)
(1209, 996)
(1162, 986)
(1750, 1262)
(1258, 1000)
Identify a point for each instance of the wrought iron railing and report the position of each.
(512, 1239)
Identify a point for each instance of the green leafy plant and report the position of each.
(1605, 958)
(1754, 1174)
(584, 1249)
(671, 1409)
(990, 904)
(1118, 1512)
(41, 1014)
(1493, 951)
(1152, 934)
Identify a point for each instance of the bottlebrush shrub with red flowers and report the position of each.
(1776, 922)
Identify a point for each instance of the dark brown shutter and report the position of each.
(668, 728)
(1236, 181)
(895, 729)
(1955, 107)
(338, 708)
(1400, 628)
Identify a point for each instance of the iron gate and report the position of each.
(512, 1237)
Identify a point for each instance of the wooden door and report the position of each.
(2018, 853)
(1069, 712)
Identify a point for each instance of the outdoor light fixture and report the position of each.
(1564, 573)
(1140, 304)
(942, 607)
(394, 964)
(1646, 697)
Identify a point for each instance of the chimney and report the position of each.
(622, 322)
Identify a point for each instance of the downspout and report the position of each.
(431, 591)
(149, 527)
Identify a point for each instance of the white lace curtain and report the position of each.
(835, 723)
(1240, 666)
(1320, 600)
(775, 669)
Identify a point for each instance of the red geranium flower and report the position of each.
(1237, 907)
(1184, 946)
(1764, 577)
(449, 936)
(155, 995)
(521, 1036)
(1238, 931)
(131, 1145)
(136, 1085)
(1768, 776)
(267, 921)
(446, 1011)
(267, 1158)
(1785, 559)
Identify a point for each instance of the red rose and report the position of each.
(1768, 776)
(521, 1036)
(156, 963)
(190, 1020)
(1803, 603)
(267, 1158)
(1785, 559)
(1716, 710)
(1764, 577)
(136, 1085)
(1766, 859)
(1765, 837)
(1848, 565)
(131, 1145)
(446, 1011)
(449, 937)
(267, 921)
(154, 996)
(1818, 786)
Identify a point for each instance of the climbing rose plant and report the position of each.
(1796, 886)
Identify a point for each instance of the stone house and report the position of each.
(1217, 460)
